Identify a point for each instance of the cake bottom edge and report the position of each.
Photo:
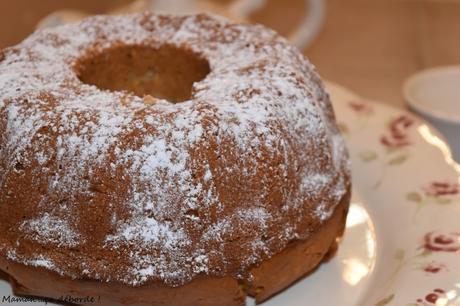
(272, 276)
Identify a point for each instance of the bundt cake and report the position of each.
(165, 160)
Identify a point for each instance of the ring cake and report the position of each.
(164, 160)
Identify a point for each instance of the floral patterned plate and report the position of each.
(402, 242)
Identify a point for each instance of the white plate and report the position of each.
(402, 243)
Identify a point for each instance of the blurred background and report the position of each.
(370, 46)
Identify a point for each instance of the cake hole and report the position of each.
(166, 72)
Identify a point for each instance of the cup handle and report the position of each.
(308, 28)
(311, 25)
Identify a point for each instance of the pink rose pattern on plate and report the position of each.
(437, 192)
(439, 189)
(431, 298)
(433, 267)
(396, 140)
(397, 135)
(441, 242)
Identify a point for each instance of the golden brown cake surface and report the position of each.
(236, 158)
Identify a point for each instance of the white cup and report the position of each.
(435, 94)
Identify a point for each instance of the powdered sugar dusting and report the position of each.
(199, 187)
(42, 262)
(51, 229)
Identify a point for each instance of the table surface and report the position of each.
(370, 46)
